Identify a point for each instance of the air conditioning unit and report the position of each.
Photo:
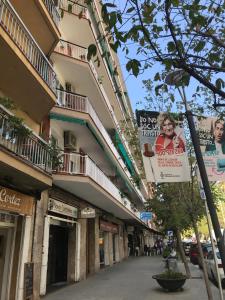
(70, 141)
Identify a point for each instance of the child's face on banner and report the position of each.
(219, 132)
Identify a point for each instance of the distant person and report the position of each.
(218, 140)
(137, 250)
(168, 140)
(145, 250)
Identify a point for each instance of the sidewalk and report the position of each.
(132, 280)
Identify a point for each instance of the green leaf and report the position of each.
(119, 17)
(171, 47)
(130, 10)
(220, 83)
(175, 2)
(199, 46)
(109, 5)
(133, 65)
(92, 51)
(157, 77)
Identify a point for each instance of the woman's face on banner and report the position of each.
(167, 128)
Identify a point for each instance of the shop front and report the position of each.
(16, 210)
(108, 243)
(60, 259)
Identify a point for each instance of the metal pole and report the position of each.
(214, 250)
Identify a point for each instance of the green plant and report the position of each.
(166, 252)
(70, 7)
(55, 154)
(15, 125)
(7, 103)
(169, 274)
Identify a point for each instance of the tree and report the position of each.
(179, 207)
(164, 35)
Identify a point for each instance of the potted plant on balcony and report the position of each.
(170, 280)
(70, 7)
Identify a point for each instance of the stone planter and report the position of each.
(170, 284)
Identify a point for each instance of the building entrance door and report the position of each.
(5, 254)
(57, 255)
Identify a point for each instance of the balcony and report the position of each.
(49, 4)
(28, 77)
(81, 104)
(81, 176)
(42, 19)
(24, 159)
(75, 8)
(30, 148)
(87, 70)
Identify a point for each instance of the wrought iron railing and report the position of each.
(76, 164)
(13, 25)
(28, 147)
(81, 103)
(74, 7)
(52, 9)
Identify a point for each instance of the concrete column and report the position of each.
(117, 248)
(83, 247)
(121, 243)
(97, 258)
(71, 254)
(106, 249)
(44, 264)
(24, 257)
(38, 233)
(110, 248)
(125, 242)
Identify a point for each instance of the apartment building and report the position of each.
(70, 207)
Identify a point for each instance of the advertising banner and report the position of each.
(211, 133)
(163, 146)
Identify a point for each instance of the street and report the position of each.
(132, 280)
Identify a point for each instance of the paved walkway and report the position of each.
(132, 280)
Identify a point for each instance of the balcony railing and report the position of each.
(80, 53)
(81, 103)
(76, 164)
(30, 148)
(72, 50)
(13, 25)
(52, 9)
(74, 7)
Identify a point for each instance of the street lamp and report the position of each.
(176, 78)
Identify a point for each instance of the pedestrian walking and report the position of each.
(145, 250)
(137, 250)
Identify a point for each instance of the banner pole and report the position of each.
(205, 182)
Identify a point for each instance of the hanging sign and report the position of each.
(163, 146)
(87, 212)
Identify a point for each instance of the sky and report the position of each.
(134, 84)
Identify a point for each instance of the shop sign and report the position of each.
(62, 208)
(13, 201)
(106, 226)
(87, 212)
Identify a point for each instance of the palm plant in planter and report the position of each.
(170, 280)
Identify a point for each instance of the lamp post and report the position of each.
(176, 78)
